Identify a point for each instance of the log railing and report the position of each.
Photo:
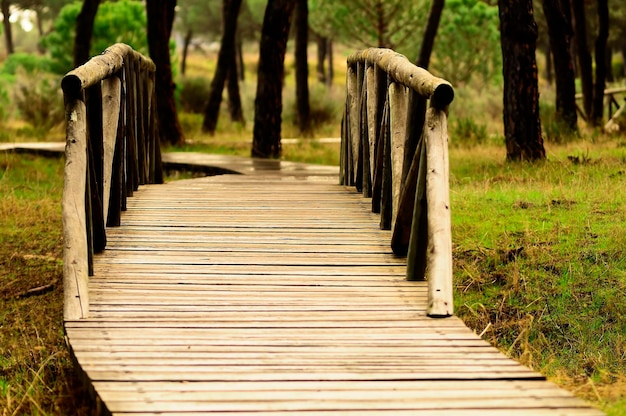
(112, 147)
(395, 150)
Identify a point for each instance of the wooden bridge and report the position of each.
(274, 292)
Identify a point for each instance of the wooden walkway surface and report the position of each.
(273, 295)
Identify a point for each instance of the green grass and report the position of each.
(37, 375)
(540, 260)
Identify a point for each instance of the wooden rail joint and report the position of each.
(112, 147)
(395, 150)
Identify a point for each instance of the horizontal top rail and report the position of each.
(438, 90)
(395, 151)
(101, 67)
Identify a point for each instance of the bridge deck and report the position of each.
(256, 295)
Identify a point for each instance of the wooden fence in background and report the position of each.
(112, 147)
(395, 150)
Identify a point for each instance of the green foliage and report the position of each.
(29, 62)
(194, 93)
(468, 43)
(369, 23)
(120, 21)
(201, 17)
(4, 99)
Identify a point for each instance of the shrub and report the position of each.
(553, 129)
(326, 110)
(39, 100)
(29, 62)
(194, 93)
(4, 97)
(465, 131)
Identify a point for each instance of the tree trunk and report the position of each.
(303, 113)
(84, 31)
(234, 98)
(322, 43)
(230, 12)
(547, 52)
(8, 36)
(268, 104)
(560, 37)
(428, 41)
(160, 19)
(600, 57)
(584, 56)
(241, 69)
(610, 77)
(331, 67)
(518, 37)
(187, 42)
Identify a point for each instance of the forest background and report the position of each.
(539, 247)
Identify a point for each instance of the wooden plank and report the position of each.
(197, 308)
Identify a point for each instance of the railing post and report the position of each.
(397, 121)
(439, 222)
(75, 254)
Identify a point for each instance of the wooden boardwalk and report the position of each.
(278, 295)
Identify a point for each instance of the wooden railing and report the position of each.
(395, 150)
(612, 125)
(112, 147)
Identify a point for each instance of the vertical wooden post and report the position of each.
(397, 122)
(111, 90)
(439, 223)
(381, 99)
(372, 114)
(354, 121)
(386, 188)
(366, 177)
(75, 264)
(418, 236)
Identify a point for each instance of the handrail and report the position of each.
(112, 147)
(395, 150)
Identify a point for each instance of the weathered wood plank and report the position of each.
(200, 309)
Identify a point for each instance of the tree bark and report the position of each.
(322, 43)
(600, 58)
(518, 37)
(560, 37)
(610, 77)
(234, 98)
(584, 56)
(8, 35)
(331, 66)
(268, 104)
(187, 42)
(160, 20)
(230, 11)
(303, 112)
(84, 31)
(428, 41)
(241, 69)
